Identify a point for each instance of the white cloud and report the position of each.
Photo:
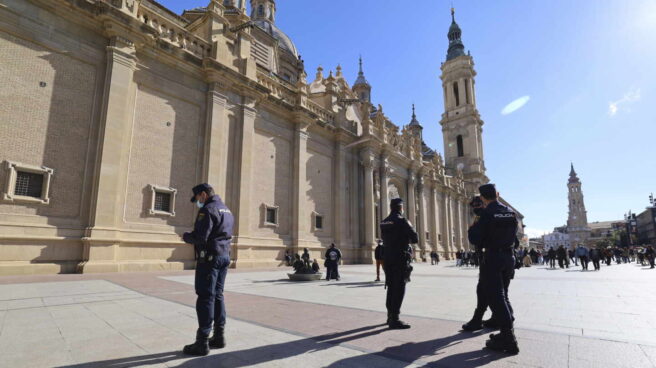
(515, 105)
(628, 98)
(535, 233)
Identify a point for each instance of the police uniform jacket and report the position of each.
(496, 229)
(213, 228)
(397, 234)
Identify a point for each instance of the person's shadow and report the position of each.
(404, 354)
(410, 352)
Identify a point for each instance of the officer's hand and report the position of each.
(185, 237)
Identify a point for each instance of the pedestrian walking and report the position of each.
(379, 255)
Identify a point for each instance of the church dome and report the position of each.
(284, 41)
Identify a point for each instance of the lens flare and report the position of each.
(515, 105)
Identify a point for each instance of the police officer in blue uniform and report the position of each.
(495, 231)
(211, 239)
(397, 234)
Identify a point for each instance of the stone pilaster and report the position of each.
(458, 222)
(300, 218)
(102, 240)
(339, 191)
(410, 207)
(216, 144)
(369, 230)
(244, 175)
(422, 218)
(447, 232)
(384, 195)
(435, 219)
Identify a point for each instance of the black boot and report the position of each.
(218, 340)
(504, 342)
(491, 324)
(394, 323)
(473, 325)
(199, 348)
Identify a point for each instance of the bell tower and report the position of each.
(462, 126)
(577, 221)
(361, 87)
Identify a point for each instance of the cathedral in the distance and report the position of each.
(116, 109)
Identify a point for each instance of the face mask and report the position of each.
(199, 204)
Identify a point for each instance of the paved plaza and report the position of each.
(565, 318)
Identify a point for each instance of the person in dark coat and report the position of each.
(496, 233)
(595, 257)
(397, 234)
(211, 238)
(333, 256)
(378, 255)
(551, 255)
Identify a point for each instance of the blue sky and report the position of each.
(588, 68)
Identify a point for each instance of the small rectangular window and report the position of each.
(271, 216)
(162, 202)
(427, 235)
(318, 222)
(28, 184)
(439, 237)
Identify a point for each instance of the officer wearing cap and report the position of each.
(495, 231)
(397, 234)
(211, 239)
(477, 323)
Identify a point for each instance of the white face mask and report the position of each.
(199, 204)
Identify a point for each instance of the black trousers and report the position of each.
(332, 271)
(584, 262)
(481, 296)
(552, 262)
(210, 307)
(395, 281)
(498, 271)
(595, 263)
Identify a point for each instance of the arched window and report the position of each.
(260, 11)
(455, 93)
(461, 148)
(467, 99)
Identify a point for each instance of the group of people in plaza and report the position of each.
(493, 233)
(644, 255)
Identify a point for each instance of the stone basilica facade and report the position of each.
(112, 110)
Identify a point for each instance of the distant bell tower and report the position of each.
(462, 127)
(577, 221)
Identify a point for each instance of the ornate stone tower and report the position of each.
(577, 222)
(462, 127)
(414, 125)
(263, 10)
(362, 87)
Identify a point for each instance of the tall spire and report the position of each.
(573, 178)
(414, 121)
(456, 48)
(361, 79)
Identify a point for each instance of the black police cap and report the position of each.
(396, 202)
(198, 189)
(488, 190)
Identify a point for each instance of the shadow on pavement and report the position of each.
(404, 354)
(356, 284)
(427, 350)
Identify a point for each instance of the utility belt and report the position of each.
(204, 255)
(498, 250)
